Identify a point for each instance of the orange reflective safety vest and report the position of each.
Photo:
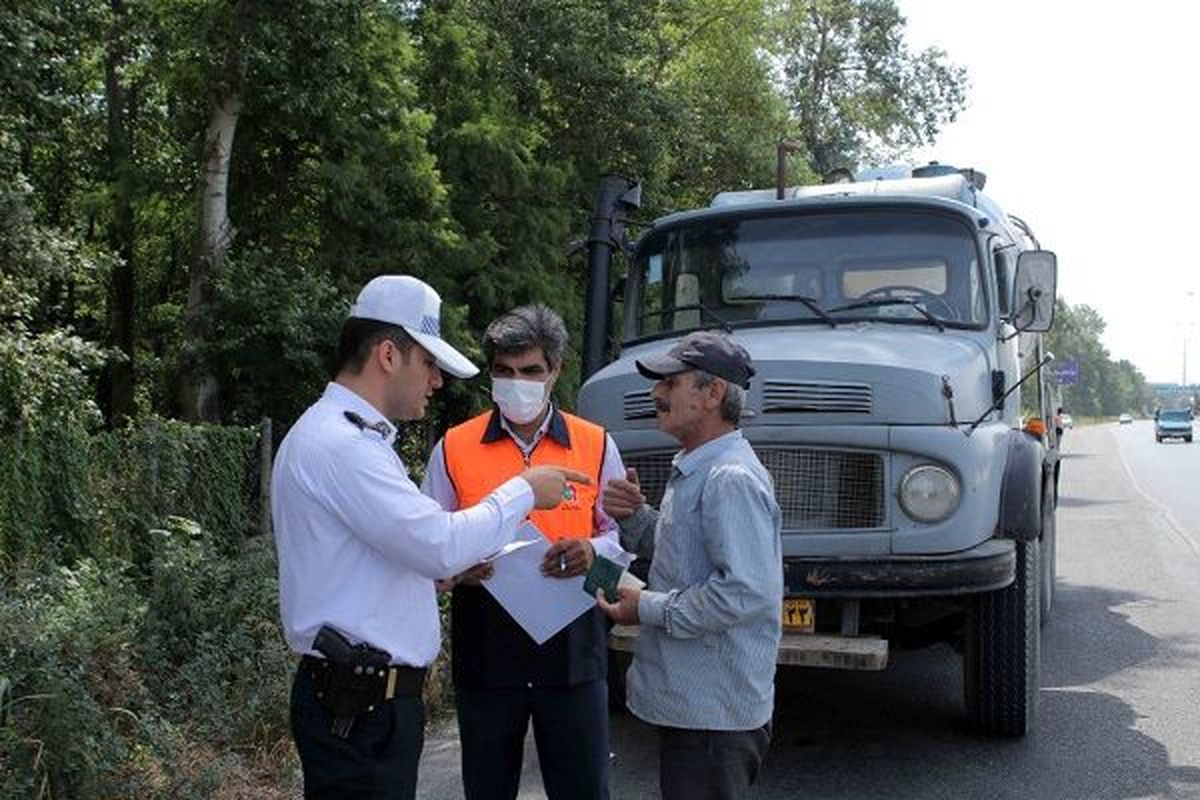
(480, 455)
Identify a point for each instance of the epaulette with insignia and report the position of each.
(380, 427)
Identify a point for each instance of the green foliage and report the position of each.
(44, 368)
(1106, 387)
(277, 325)
(457, 140)
(855, 89)
(157, 635)
(46, 509)
(113, 685)
(66, 493)
(66, 635)
(211, 637)
(730, 113)
(162, 467)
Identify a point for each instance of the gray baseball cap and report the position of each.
(707, 351)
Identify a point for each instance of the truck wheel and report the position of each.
(1049, 558)
(1187, 439)
(1001, 656)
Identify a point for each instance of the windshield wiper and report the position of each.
(894, 301)
(809, 302)
(703, 309)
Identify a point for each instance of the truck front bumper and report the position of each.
(988, 566)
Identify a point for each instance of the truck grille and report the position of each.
(815, 489)
(639, 405)
(816, 397)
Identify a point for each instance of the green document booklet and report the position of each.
(604, 574)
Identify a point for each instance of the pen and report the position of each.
(562, 562)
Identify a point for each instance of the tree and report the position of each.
(854, 88)
(59, 165)
(199, 390)
(711, 62)
(332, 183)
(46, 374)
(121, 107)
(457, 140)
(1105, 387)
(535, 101)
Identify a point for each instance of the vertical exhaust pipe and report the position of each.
(616, 196)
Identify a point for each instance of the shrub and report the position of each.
(75, 691)
(213, 623)
(159, 468)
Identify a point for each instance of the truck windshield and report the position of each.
(774, 269)
(1175, 416)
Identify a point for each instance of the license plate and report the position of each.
(799, 614)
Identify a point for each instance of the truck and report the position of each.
(895, 318)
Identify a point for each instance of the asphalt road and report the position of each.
(1120, 699)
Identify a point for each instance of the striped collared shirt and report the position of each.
(710, 615)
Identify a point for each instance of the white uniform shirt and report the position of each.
(359, 545)
(607, 539)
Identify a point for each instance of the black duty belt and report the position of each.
(385, 684)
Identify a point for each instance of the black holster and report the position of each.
(350, 680)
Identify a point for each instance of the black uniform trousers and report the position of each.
(710, 765)
(570, 728)
(503, 679)
(378, 761)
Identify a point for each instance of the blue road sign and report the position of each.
(1066, 372)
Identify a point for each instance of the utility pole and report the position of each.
(1186, 326)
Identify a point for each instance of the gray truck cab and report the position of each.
(894, 323)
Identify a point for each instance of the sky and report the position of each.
(1084, 117)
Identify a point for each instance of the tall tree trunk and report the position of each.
(199, 388)
(122, 290)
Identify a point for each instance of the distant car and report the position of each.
(1173, 424)
(1067, 422)
(1125, 419)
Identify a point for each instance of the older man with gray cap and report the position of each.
(360, 546)
(703, 670)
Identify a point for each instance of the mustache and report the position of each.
(662, 406)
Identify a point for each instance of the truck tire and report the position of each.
(1001, 653)
(1049, 559)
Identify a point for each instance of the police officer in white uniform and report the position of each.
(360, 547)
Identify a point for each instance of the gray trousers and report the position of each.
(710, 765)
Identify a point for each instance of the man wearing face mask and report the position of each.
(502, 679)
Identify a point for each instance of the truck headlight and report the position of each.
(929, 493)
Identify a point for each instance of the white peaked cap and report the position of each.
(413, 305)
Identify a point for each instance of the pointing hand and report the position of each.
(549, 484)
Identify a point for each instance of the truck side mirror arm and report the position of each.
(1000, 400)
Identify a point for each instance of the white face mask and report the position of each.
(519, 401)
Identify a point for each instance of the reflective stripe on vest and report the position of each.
(476, 468)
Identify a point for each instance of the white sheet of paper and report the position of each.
(542, 606)
(512, 546)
